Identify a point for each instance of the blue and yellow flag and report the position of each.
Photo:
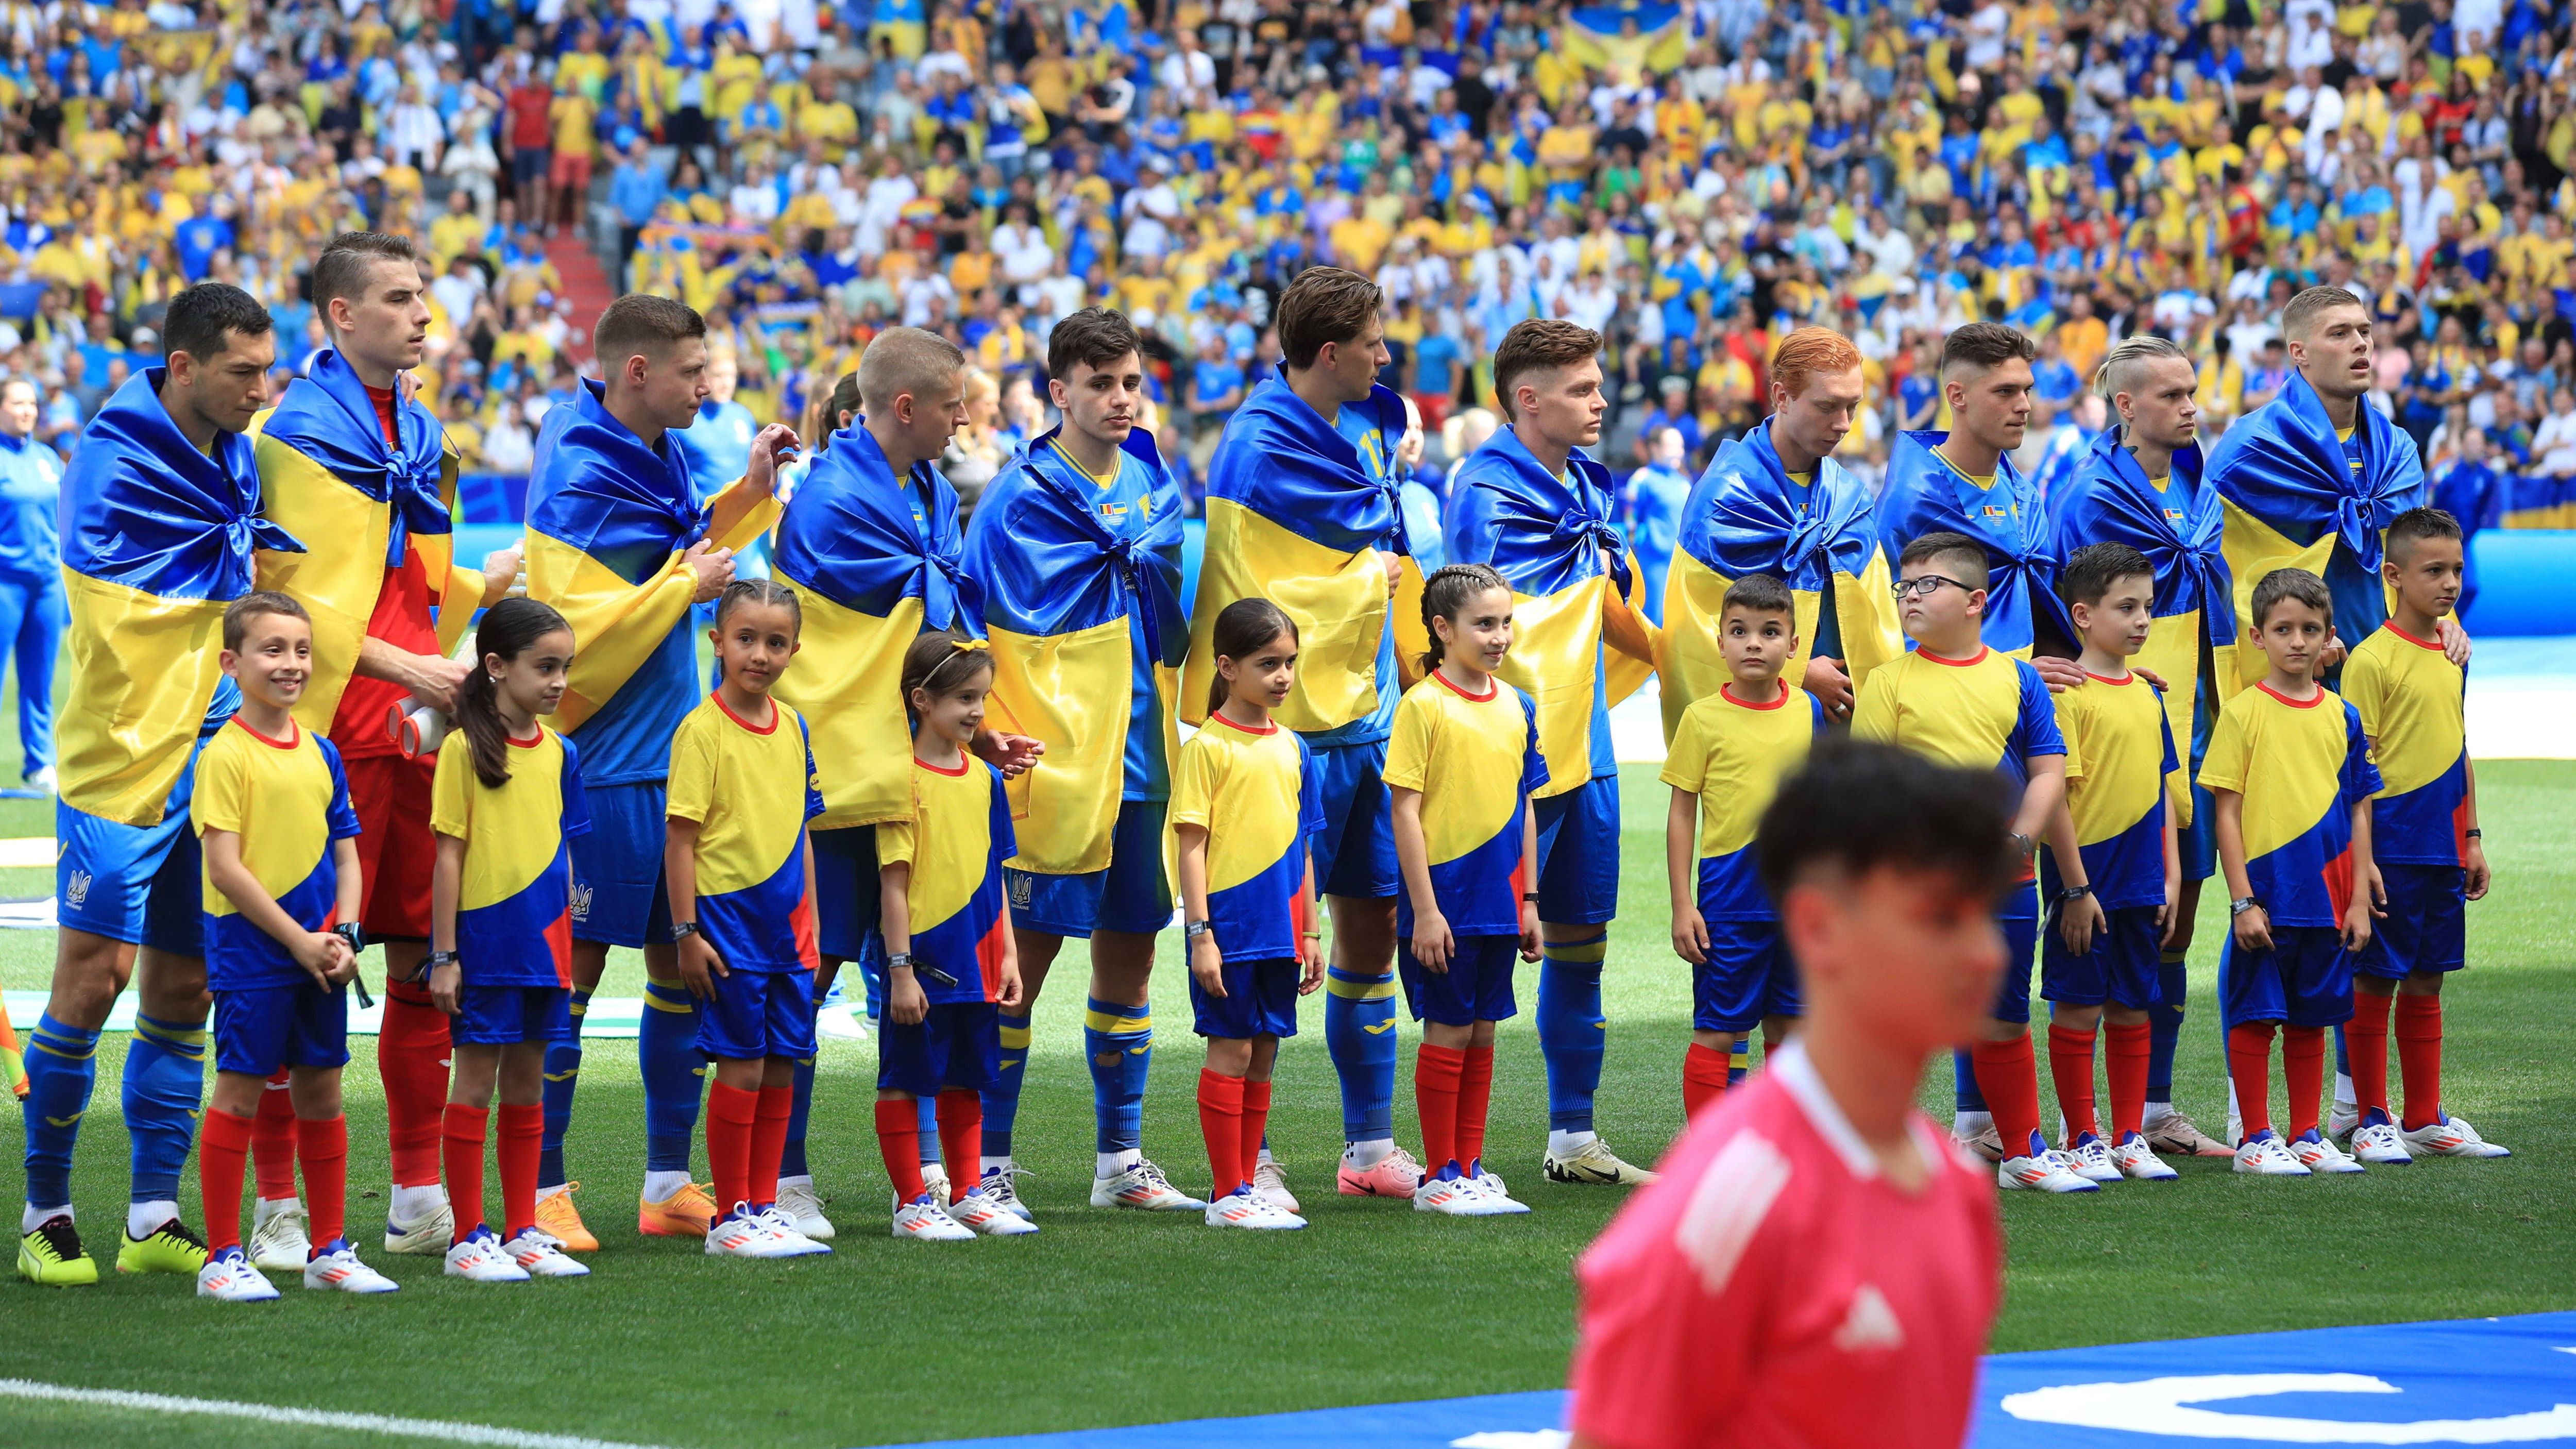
(1745, 515)
(1580, 638)
(609, 517)
(874, 561)
(326, 472)
(157, 539)
(2295, 494)
(1296, 516)
(1926, 493)
(1598, 37)
(1068, 593)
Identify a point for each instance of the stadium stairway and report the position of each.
(586, 286)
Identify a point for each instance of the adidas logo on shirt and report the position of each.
(1870, 1324)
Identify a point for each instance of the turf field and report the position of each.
(1107, 1319)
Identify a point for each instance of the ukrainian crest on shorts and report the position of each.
(76, 889)
(580, 902)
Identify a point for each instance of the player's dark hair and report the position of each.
(341, 270)
(1092, 337)
(1985, 345)
(2291, 586)
(2094, 568)
(1446, 595)
(759, 591)
(2299, 316)
(1539, 344)
(638, 324)
(1758, 594)
(1242, 629)
(201, 318)
(509, 629)
(941, 659)
(2417, 524)
(253, 605)
(1965, 553)
(1859, 806)
(1324, 304)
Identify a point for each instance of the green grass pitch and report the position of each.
(1108, 1318)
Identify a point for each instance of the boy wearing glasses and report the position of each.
(1961, 703)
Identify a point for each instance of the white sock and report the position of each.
(2345, 1100)
(2157, 1112)
(1368, 1154)
(262, 1209)
(802, 1179)
(1969, 1124)
(992, 1165)
(1110, 1164)
(2235, 1114)
(1267, 1158)
(662, 1186)
(411, 1204)
(142, 1219)
(32, 1217)
(542, 1193)
(1561, 1144)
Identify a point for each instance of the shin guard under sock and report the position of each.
(412, 1059)
(219, 1178)
(731, 1112)
(1704, 1073)
(769, 1143)
(2249, 1071)
(322, 1150)
(1436, 1070)
(2366, 1050)
(1119, 1040)
(563, 1077)
(2070, 1068)
(1360, 1034)
(62, 1068)
(2126, 1053)
(666, 1044)
(522, 1134)
(2303, 1072)
(1221, 1123)
(1002, 1098)
(899, 1142)
(2419, 1057)
(461, 1131)
(1572, 1034)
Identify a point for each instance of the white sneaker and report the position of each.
(1250, 1210)
(1985, 1142)
(924, 1220)
(479, 1259)
(2320, 1156)
(229, 1277)
(2379, 1143)
(984, 1215)
(803, 1208)
(279, 1244)
(337, 1267)
(1499, 1202)
(2343, 1120)
(2453, 1137)
(2041, 1172)
(1271, 1186)
(1455, 1196)
(743, 1233)
(425, 1236)
(1001, 1187)
(783, 1228)
(2138, 1161)
(2090, 1159)
(540, 1254)
(2268, 1156)
(1593, 1162)
(1143, 1187)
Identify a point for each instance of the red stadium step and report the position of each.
(586, 288)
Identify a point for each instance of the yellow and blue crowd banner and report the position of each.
(1601, 37)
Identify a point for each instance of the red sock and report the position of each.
(412, 1056)
(2070, 1066)
(769, 1142)
(961, 1139)
(1436, 1073)
(2365, 1049)
(731, 1111)
(461, 1136)
(1256, 1123)
(2419, 1057)
(2303, 1071)
(2008, 1075)
(2125, 1050)
(523, 1135)
(1221, 1123)
(223, 1151)
(2249, 1067)
(899, 1142)
(272, 1140)
(1703, 1077)
(1475, 1096)
(323, 1150)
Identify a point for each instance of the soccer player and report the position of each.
(1537, 508)
(31, 575)
(2290, 777)
(1076, 550)
(1963, 703)
(1817, 1267)
(618, 543)
(349, 457)
(2424, 841)
(2112, 873)
(273, 818)
(1727, 758)
(160, 513)
(1302, 509)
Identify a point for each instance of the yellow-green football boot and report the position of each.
(52, 1255)
(171, 1248)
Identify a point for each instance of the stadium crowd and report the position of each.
(1693, 181)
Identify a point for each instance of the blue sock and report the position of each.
(62, 1066)
(2343, 1063)
(1571, 1032)
(165, 1087)
(926, 1120)
(1120, 1042)
(1002, 1099)
(2164, 1025)
(674, 1074)
(1963, 1072)
(791, 1158)
(1359, 1032)
(563, 1074)
(1739, 1063)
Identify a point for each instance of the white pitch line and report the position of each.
(439, 1429)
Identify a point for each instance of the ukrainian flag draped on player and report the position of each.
(326, 472)
(874, 562)
(2291, 491)
(1925, 493)
(1066, 593)
(1296, 517)
(157, 539)
(608, 521)
(1549, 538)
(1746, 516)
(2179, 527)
